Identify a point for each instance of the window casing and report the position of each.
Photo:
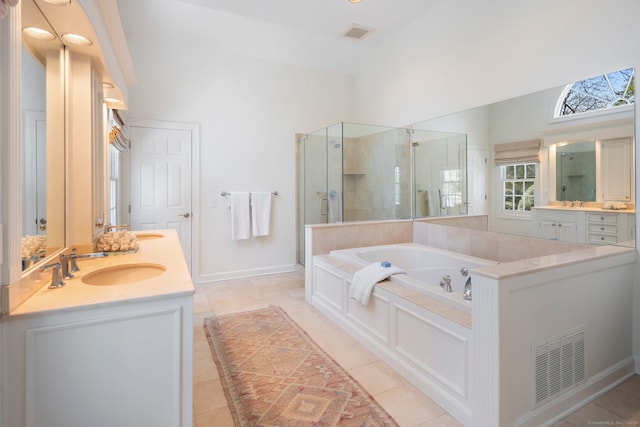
(518, 187)
(599, 93)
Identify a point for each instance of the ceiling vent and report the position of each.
(357, 32)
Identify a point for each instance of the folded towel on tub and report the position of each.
(365, 279)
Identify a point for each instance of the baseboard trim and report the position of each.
(240, 274)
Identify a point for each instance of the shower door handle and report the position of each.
(324, 207)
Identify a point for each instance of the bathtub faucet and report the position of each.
(467, 290)
(445, 283)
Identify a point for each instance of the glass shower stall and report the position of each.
(355, 172)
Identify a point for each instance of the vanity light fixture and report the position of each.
(58, 2)
(76, 39)
(107, 85)
(355, 1)
(38, 33)
(112, 100)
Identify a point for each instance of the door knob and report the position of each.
(186, 215)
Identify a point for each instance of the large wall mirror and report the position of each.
(585, 158)
(43, 138)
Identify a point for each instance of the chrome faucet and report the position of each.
(467, 290)
(56, 282)
(464, 271)
(66, 259)
(109, 228)
(445, 283)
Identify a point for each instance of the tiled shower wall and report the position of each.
(372, 190)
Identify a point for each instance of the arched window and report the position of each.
(598, 93)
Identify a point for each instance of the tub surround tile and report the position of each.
(327, 237)
(485, 244)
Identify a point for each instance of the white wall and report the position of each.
(463, 54)
(249, 111)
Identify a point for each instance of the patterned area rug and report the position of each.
(274, 374)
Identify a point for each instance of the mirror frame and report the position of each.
(17, 285)
(12, 150)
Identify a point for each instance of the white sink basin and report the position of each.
(123, 274)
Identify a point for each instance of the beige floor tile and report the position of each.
(220, 417)
(377, 377)
(624, 405)
(444, 420)
(590, 415)
(208, 395)
(408, 407)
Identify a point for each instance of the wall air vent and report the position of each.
(357, 32)
(558, 365)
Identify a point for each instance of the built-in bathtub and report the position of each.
(409, 315)
(424, 268)
(482, 367)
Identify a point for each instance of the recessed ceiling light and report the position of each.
(76, 39)
(59, 2)
(355, 1)
(38, 33)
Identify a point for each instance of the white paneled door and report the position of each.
(161, 182)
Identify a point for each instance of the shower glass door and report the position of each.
(315, 178)
(334, 188)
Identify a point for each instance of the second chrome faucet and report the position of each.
(69, 265)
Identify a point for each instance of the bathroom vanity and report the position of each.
(590, 225)
(104, 354)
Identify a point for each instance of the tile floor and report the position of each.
(400, 399)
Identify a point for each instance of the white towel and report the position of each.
(239, 204)
(260, 213)
(366, 278)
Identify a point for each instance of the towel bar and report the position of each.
(226, 193)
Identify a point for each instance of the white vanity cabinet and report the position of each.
(128, 365)
(594, 227)
(558, 224)
(609, 228)
(616, 169)
(104, 355)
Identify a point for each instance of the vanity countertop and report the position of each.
(165, 250)
(585, 209)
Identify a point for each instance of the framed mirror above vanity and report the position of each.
(43, 137)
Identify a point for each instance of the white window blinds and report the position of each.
(517, 152)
